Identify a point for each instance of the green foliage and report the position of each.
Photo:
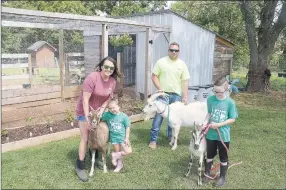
(121, 40)
(4, 132)
(69, 116)
(224, 18)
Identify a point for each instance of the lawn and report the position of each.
(276, 83)
(258, 140)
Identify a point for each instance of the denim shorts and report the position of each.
(80, 118)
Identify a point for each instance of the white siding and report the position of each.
(196, 44)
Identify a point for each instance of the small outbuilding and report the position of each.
(42, 54)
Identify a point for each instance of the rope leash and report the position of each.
(218, 164)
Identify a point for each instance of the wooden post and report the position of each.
(61, 60)
(119, 65)
(104, 41)
(147, 63)
(67, 70)
(30, 69)
(120, 88)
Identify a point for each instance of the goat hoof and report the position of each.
(174, 147)
(90, 174)
(105, 171)
(200, 183)
(171, 143)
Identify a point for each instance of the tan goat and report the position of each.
(98, 139)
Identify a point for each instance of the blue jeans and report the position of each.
(158, 119)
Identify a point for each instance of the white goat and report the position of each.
(197, 148)
(98, 140)
(179, 114)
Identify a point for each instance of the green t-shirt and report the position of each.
(171, 74)
(220, 111)
(117, 124)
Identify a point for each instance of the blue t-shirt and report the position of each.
(220, 111)
(117, 124)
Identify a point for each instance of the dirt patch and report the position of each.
(128, 105)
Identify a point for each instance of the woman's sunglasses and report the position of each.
(108, 67)
(174, 50)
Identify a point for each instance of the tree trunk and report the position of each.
(266, 38)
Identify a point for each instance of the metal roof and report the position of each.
(169, 11)
(39, 44)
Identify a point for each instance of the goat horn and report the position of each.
(91, 108)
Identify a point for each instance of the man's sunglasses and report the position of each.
(108, 67)
(174, 50)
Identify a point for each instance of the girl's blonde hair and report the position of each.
(113, 100)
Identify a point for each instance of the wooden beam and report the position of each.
(61, 60)
(30, 69)
(67, 70)
(104, 41)
(147, 63)
(14, 56)
(94, 19)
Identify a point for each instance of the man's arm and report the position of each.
(156, 82)
(185, 91)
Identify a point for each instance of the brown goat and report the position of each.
(98, 139)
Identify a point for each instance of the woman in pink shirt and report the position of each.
(98, 88)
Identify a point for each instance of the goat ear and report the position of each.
(149, 96)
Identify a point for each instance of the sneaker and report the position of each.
(153, 145)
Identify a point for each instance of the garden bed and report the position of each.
(129, 106)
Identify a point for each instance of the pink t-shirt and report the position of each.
(99, 89)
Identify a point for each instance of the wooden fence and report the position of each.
(22, 105)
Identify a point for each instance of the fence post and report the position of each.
(62, 64)
(67, 70)
(30, 69)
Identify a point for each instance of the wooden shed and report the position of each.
(42, 54)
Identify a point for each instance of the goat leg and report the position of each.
(92, 163)
(200, 170)
(190, 165)
(104, 161)
(172, 137)
(176, 130)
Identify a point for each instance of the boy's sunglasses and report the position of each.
(219, 92)
(108, 67)
(174, 50)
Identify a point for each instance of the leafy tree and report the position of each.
(17, 40)
(264, 21)
(123, 8)
(222, 17)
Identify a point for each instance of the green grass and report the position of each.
(276, 83)
(258, 140)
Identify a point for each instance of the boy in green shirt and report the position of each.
(221, 113)
(119, 131)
